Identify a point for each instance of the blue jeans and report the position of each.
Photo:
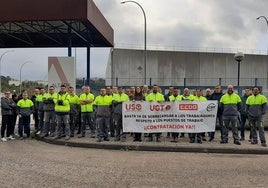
(63, 123)
(24, 126)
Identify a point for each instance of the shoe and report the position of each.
(264, 144)
(211, 139)
(72, 135)
(44, 135)
(237, 142)
(199, 141)
(182, 136)
(158, 139)
(56, 137)
(191, 141)
(10, 138)
(223, 142)
(254, 142)
(242, 139)
(204, 139)
(117, 139)
(78, 132)
(92, 136)
(4, 139)
(39, 132)
(21, 138)
(106, 139)
(81, 136)
(67, 138)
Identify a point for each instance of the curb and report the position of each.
(155, 148)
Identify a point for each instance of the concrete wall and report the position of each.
(165, 68)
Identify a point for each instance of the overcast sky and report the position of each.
(228, 24)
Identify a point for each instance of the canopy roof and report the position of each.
(53, 23)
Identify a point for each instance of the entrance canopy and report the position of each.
(53, 23)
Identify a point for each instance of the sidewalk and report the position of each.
(165, 145)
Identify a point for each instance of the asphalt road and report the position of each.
(32, 163)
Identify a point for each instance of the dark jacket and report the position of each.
(7, 106)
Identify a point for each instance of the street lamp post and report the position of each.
(1, 57)
(266, 19)
(145, 45)
(239, 56)
(20, 72)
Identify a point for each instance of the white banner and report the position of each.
(180, 116)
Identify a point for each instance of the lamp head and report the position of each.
(239, 56)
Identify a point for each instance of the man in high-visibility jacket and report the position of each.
(118, 99)
(86, 101)
(74, 111)
(198, 136)
(49, 112)
(62, 109)
(102, 105)
(159, 97)
(25, 109)
(175, 97)
(231, 104)
(256, 108)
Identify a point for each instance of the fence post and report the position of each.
(184, 82)
(150, 82)
(220, 81)
(256, 81)
(116, 81)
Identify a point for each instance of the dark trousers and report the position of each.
(24, 126)
(36, 120)
(13, 124)
(6, 125)
(118, 126)
(86, 118)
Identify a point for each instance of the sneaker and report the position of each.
(199, 141)
(254, 142)
(4, 139)
(10, 137)
(106, 139)
(204, 139)
(211, 139)
(191, 141)
(264, 144)
(242, 139)
(223, 142)
(237, 142)
(39, 132)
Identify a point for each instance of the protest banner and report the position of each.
(179, 116)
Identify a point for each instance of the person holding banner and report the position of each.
(198, 136)
(231, 104)
(186, 96)
(138, 97)
(158, 97)
(175, 97)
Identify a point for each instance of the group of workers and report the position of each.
(59, 114)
